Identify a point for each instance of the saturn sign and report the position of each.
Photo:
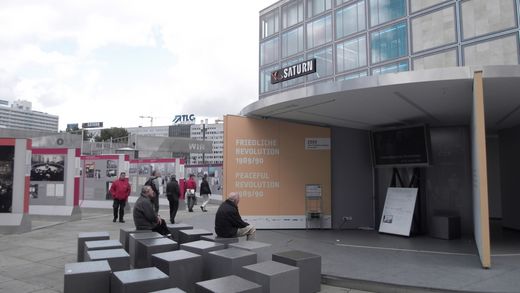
(294, 71)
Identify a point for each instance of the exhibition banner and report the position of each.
(269, 163)
(398, 211)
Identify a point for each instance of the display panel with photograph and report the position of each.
(47, 167)
(6, 178)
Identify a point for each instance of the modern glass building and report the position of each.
(356, 38)
(360, 66)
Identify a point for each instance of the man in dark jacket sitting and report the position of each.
(145, 217)
(228, 222)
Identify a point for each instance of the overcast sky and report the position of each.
(115, 60)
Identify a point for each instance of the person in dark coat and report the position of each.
(205, 191)
(229, 223)
(173, 193)
(153, 182)
(145, 216)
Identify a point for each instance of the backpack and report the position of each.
(150, 183)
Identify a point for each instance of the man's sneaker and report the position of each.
(114, 220)
(121, 221)
(201, 208)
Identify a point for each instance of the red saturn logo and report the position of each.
(276, 75)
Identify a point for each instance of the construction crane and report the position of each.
(149, 117)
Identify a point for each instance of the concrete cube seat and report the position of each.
(228, 284)
(100, 245)
(89, 236)
(202, 247)
(215, 238)
(175, 228)
(309, 265)
(274, 277)
(85, 277)
(191, 235)
(146, 247)
(183, 267)
(171, 290)
(132, 241)
(228, 261)
(118, 259)
(124, 234)
(139, 280)
(262, 249)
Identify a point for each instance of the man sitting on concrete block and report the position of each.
(145, 217)
(228, 222)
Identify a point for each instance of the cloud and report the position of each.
(113, 61)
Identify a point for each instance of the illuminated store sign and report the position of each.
(294, 71)
(92, 125)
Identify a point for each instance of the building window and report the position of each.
(352, 76)
(265, 80)
(270, 24)
(351, 54)
(296, 80)
(389, 43)
(391, 68)
(292, 42)
(315, 7)
(319, 32)
(480, 17)
(350, 19)
(269, 51)
(292, 13)
(382, 11)
(324, 63)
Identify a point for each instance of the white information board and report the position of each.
(398, 211)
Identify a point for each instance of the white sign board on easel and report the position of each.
(398, 211)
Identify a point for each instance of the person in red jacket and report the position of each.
(120, 190)
(191, 188)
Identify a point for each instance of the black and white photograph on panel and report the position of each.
(6, 178)
(47, 167)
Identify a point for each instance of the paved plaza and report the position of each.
(34, 261)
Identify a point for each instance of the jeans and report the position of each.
(191, 202)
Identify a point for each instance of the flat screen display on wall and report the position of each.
(409, 146)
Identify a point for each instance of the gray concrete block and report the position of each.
(273, 276)
(175, 228)
(229, 284)
(139, 280)
(89, 236)
(86, 277)
(132, 240)
(171, 290)
(228, 262)
(100, 245)
(146, 247)
(309, 265)
(118, 259)
(124, 233)
(191, 235)
(202, 247)
(261, 248)
(183, 267)
(215, 238)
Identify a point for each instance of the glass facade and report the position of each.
(356, 38)
(319, 31)
(389, 43)
(350, 19)
(351, 54)
(382, 11)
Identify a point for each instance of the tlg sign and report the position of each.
(186, 118)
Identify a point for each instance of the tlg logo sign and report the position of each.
(184, 118)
